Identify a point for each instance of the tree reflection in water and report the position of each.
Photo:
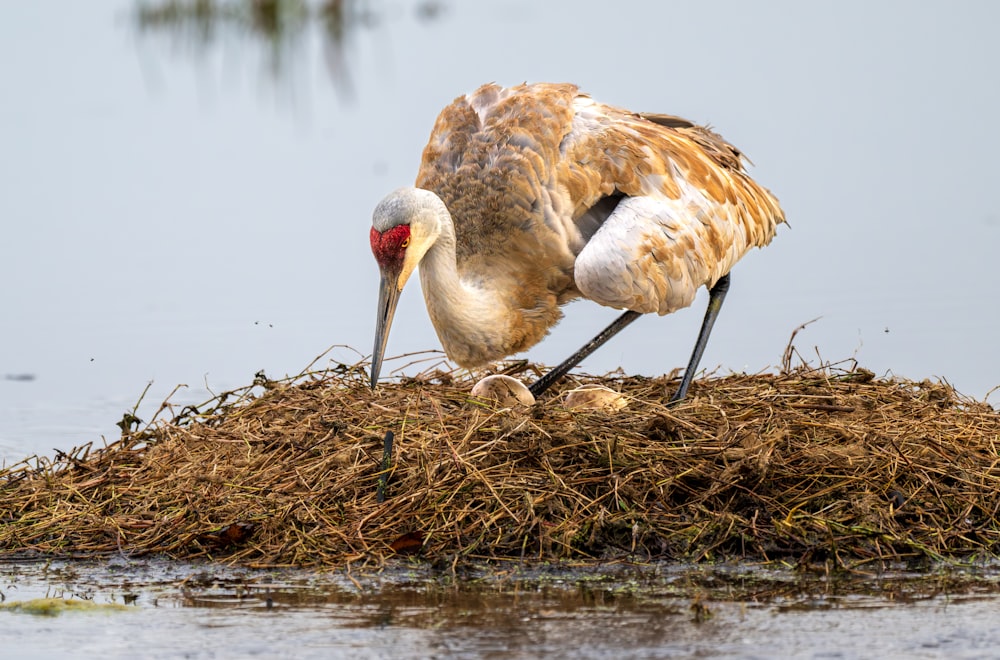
(281, 28)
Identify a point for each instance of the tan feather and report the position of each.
(551, 195)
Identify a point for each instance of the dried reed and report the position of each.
(809, 465)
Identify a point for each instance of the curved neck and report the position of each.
(469, 319)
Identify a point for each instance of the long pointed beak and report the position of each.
(388, 297)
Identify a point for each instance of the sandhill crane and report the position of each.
(530, 196)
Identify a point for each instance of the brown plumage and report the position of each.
(541, 195)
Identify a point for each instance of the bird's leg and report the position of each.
(546, 381)
(716, 295)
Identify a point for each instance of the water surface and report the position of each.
(188, 203)
(202, 611)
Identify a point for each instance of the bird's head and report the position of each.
(404, 227)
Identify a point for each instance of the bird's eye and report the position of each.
(406, 241)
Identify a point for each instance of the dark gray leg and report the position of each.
(546, 381)
(716, 295)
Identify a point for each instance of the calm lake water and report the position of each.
(199, 611)
(186, 201)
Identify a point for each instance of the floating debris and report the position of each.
(57, 606)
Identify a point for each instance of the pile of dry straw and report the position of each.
(810, 465)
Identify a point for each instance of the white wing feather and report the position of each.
(652, 254)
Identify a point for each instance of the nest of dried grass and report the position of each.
(810, 465)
